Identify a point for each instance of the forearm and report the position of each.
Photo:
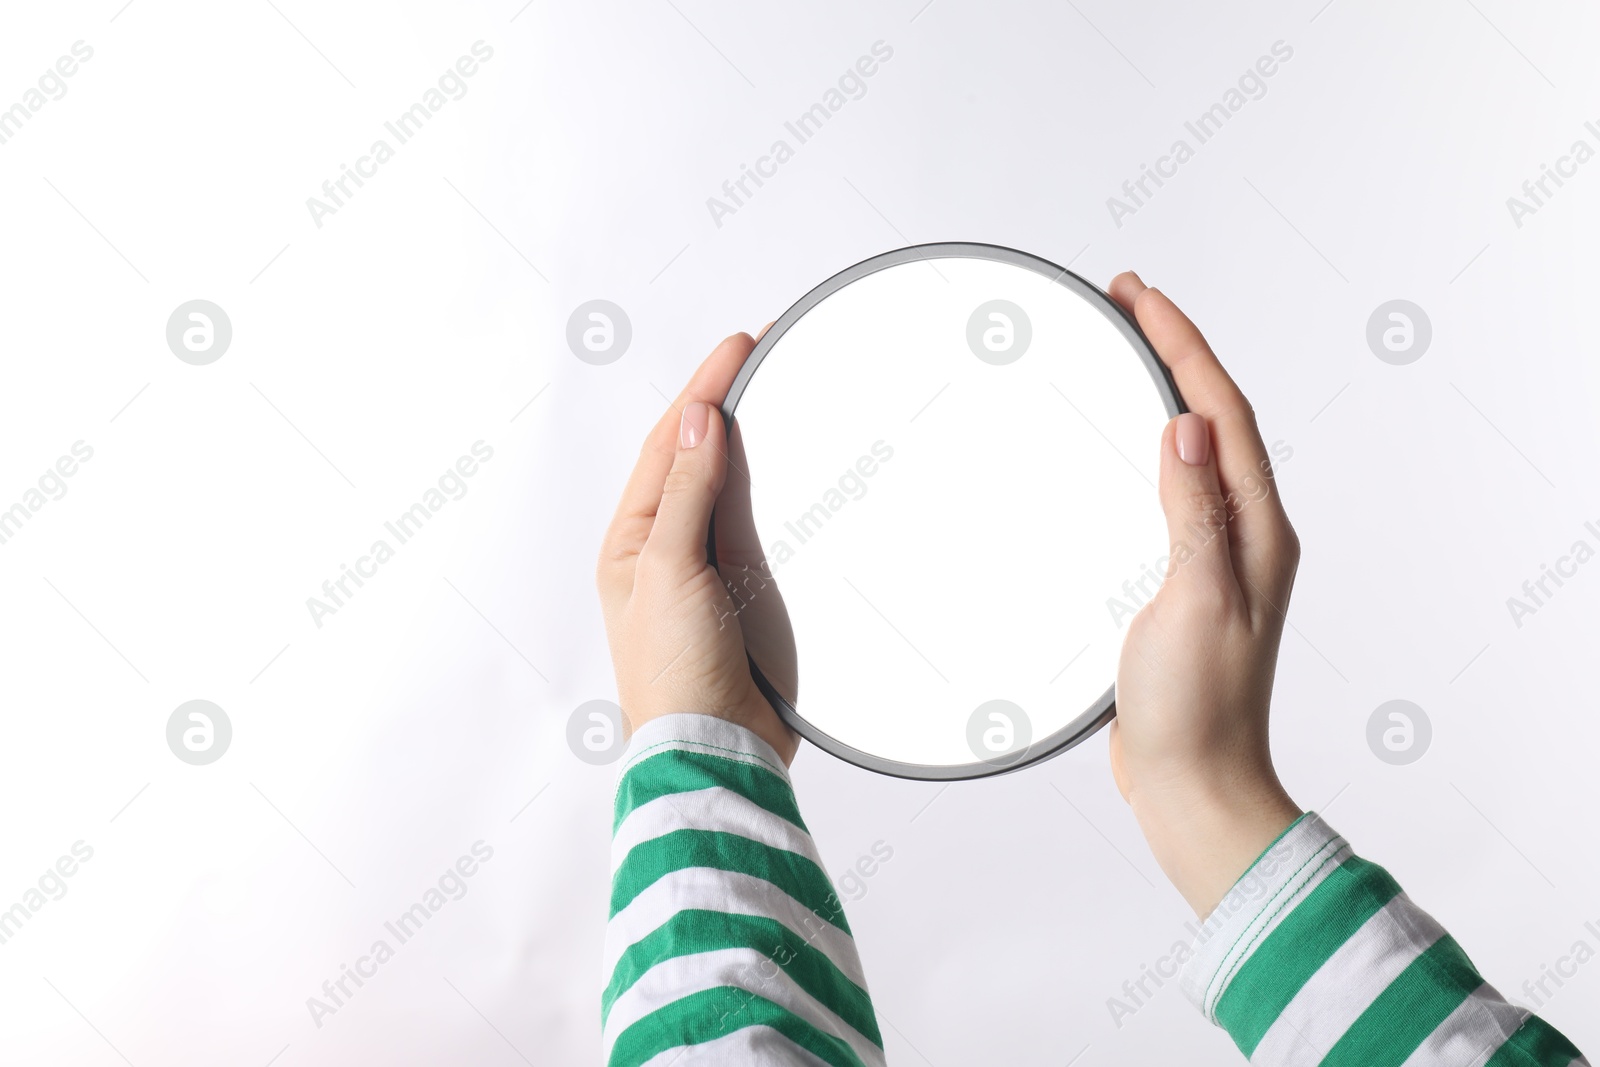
(725, 933)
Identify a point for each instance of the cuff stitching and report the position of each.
(1284, 896)
(748, 759)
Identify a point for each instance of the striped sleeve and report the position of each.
(1316, 957)
(726, 942)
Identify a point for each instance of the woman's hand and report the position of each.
(1189, 746)
(675, 638)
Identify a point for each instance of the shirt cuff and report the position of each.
(1279, 879)
(688, 732)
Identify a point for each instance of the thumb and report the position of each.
(678, 535)
(1197, 512)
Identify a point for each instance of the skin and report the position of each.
(1189, 746)
(663, 604)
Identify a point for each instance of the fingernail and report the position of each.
(692, 429)
(1194, 439)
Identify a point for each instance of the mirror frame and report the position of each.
(1104, 709)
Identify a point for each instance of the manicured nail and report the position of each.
(1194, 439)
(692, 429)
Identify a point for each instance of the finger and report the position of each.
(738, 545)
(710, 383)
(1125, 288)
(747, 576)
(1262, 540)
(1196, 510)
(677, 542)
(636, 511)
(1205, 385)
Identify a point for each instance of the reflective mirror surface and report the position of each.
(941, 509)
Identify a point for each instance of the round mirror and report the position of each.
(941, 509)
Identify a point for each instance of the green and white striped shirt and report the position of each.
(728, 945)
(1316, 957)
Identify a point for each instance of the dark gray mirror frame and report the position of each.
(1104, 708)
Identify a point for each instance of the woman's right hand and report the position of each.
(1189, 746)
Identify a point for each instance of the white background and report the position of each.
(368, 354)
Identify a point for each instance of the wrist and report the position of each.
(1207, 833)
(758, 716)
